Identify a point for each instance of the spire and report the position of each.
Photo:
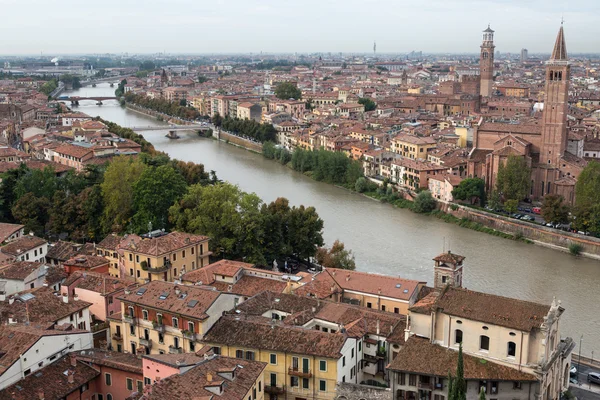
(560, 48)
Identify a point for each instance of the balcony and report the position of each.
(99, 327)
(426, 385)
(175, 350)
(146, 343)
(274, 390)
(159, 327)
(156, 270)
(129, 319)
(298, 372)
(117, 337)
(189, 335)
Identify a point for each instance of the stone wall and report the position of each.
(351, 391)
(540, 234)
(238, 141)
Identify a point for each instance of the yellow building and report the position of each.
(163, 317)
(301, 363)
(412, 146)
(109, 249)
(161, 256)
(463, 133)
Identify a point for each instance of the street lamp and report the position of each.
(579, 360)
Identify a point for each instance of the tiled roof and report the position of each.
(249, 286)
(261, 333)
(163, 244)
(449, 257)
(112, 359)
(322, 286)
(420, 356)
(8, 229)
(21, 245)
(175, 360)
(173, 303)
(371, 283)
(51, 382)
(193, 383)
(87, 262)
(98, 282)
(19, 270)
(111, 242)
(62, 251)
(74, 151)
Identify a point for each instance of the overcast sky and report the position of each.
(225, 26)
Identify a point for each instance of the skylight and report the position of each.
(398, 285)
(192, 303)
(163, 295)
(405, 290)
(141, 291)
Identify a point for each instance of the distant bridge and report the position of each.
(170, 128)
(77, 99)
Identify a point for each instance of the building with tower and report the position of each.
(486, 63)
(544, 146)
(524, 55)
(448, 270)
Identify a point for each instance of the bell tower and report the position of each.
(486, 63)
(448, 270)
(556, 100)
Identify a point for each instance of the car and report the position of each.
(573, 371)
(594, 377)
(536, 210)
(529, 218)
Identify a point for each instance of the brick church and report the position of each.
(555, 165)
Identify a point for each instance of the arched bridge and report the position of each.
(77, 99)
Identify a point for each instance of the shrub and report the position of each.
(424, 202)
(575, 248)
(453, 207)
(361, 185)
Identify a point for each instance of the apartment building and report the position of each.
(410, 146)
(162, 317)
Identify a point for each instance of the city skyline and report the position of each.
(233, 26)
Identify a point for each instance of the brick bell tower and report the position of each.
(486, 63)
(556, 100)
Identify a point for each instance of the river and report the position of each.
(393, 241)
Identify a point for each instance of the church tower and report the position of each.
(448, 270)
(486, 63)
(556, 101)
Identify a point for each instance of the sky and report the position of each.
(277, 26)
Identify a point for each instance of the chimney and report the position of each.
(347, 277)
(65, 298)
(177, 290)
(2, 296)
(377, 327)
(11, 299)
(209, 377)
(75, 297)
(40, 394)
(71, 376)
(73, 358)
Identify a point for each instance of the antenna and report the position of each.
(444, 245)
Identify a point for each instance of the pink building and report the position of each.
(161, 366)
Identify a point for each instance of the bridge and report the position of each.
(169, 128)
(77, 99)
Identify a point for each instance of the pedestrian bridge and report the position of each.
(169, 128)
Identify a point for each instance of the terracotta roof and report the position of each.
(112, 359)
(19, 270)
(249, 286)
(194, 382)
(21, 245)
(172, 302)
(62, 251)
(86, 261)
(52, 381)
(175, 360)
(449, 257)
(98, 282)
(420, 356)
(74, 151)
(371, 283)
(321, 286)
(261, 333)
(8, 229)
(110, 242)
(162, 245)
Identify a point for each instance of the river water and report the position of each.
(393, 241)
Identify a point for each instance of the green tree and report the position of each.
(120, 90)
(369, 104)
(8, 183)
(117, 192)
(482, 394)
(305, 231)
(41, 183)
(511, 206)
(32, 212)
(587, 189)
(471, 189)
(424, 202)
(154, 192)
(275, 228)
(514, 178)
(202, 79)
(336, 257)
(288, 90)
(554, 209)
(147, 65)
(494, 201)
(217, 120)
(459, 383)
(361, 184)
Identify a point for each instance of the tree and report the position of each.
(202, 79)
(471, 189)
(459, 385)
(511, 206)
(41, 183)
(336, 257)
(494, 201)
(482, 394)
(424, 202)
(288, 90)
(154, 192)
(368, 103)
(147, 66)
(305, 231)
(120, 90)
(117, 191)
(554, 209)
(217, 120)
(183, 103)
(587, 189)
(8, 183)
(514, 178)
(32, 212)
(361, 185)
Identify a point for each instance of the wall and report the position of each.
(238, 141)
(539, 234)
(154, 370)
(118, 386)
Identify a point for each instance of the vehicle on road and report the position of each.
(594, 377)
(536, 210)
(528, 218)
(573, 371)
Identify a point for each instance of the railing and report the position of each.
(276, 390)
(298, 372)
(175, 350)
(117, 337)
(157, 270)
(158, 327)
(100, 327)
(189, 335)
(129, 319)
(146, 342)
(426, 386)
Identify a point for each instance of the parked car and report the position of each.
(573, 371)
(536, 210)
(528, 218)
(594, 377)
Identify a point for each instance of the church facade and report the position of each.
(543, 145)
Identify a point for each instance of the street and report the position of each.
(584, 390)
(584, 394)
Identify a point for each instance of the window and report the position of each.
(512, 349)
(359, 346)
(293, 381)
(304, 383)
(458, 336)
(175, 323)
(344, 361)
(192, 250)
(84, 388)
(145, 315)
(396, 310)
(216, 350)
(191, 327)
(369, 305)
(382, 307)
(183, 254)
(323, 365)
(517, 385)
(176, 342)
(161, 338)
(494, 387)
(322, 385)
(130, 257)
(132, 330)
(108, 379)
(273, 359)
(412, 380)
(444, 279)
(273, 379)
(484, 342)
(352, 353)
(147, 381)
(239, 354)
(174, 257)
(140, 386)
(250, 355)
(100, 397)
(129, 384)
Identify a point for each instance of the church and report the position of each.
(545, 146)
